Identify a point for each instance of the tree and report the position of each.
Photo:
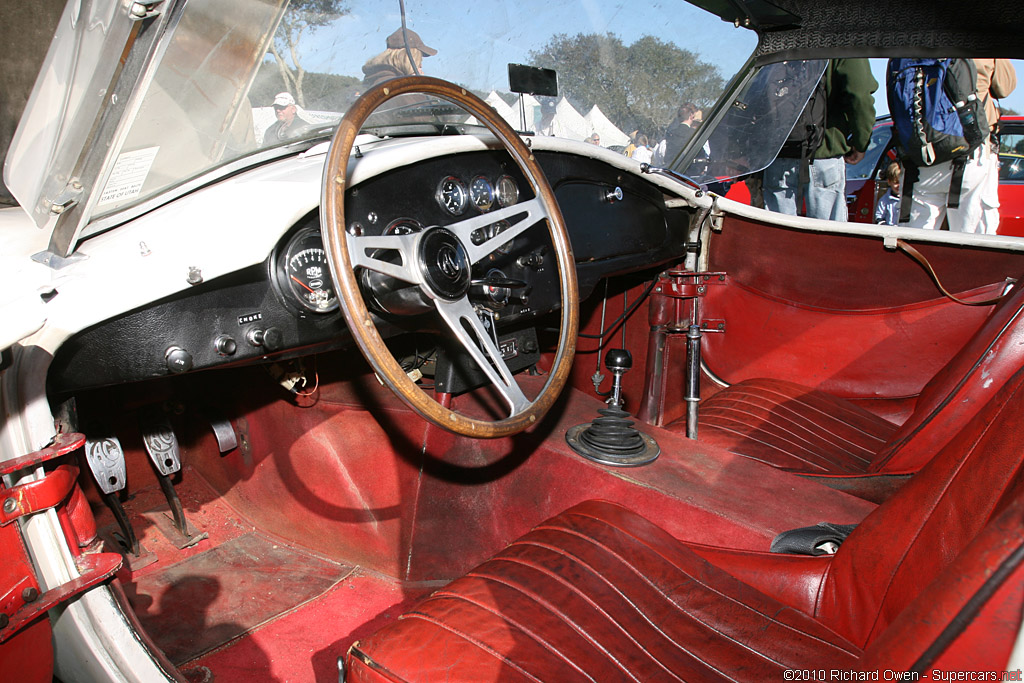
(638, 86)
(301, 17)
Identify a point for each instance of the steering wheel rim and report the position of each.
(345, 253)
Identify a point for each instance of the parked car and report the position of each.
(402, 393)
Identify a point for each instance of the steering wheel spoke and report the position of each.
(476, 340)
(521, 217)
(371, 251)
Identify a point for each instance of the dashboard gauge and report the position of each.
(481, 235)
(507, 191)
(481, 193)
(403, 226)
(306, 273)
(452, 195)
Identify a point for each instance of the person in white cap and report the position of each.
(288, 124)
(394, 61)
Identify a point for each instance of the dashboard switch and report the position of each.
(178, 360)
(532, 260)
(271, 338)
(225, 345)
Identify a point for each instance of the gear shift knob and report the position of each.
(618, 361)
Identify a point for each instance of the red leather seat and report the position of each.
(802, 429)
(932, 577)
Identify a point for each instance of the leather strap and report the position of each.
(920, 258)
(956, 182)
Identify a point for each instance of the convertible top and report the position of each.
(838, 28)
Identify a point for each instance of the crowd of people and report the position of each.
(921, 195)
(811, 181)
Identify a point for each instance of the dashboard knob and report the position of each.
(178, 360)
(273, 339)
(225, 345)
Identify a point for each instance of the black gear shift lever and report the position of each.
(612, 439)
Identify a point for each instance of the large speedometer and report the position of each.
(305, 273)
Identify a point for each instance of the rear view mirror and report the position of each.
(532, 80)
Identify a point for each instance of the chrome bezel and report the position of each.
(439, 195)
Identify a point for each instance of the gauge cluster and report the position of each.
(454, 195)
(288, 305)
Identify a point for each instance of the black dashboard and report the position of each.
(286, 307)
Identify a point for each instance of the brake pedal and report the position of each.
(162, 447)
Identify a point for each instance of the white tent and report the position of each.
(506, 111)
(610, 134)
(569, 123)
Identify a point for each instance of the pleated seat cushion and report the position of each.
(791, 426)
(598, 593)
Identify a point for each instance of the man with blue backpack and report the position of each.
(945, 119)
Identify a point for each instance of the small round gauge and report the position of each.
(306, 273)
(452, 195)
(481, 193)
(403, 226)
(507, 191)
(481, 235)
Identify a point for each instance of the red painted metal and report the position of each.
(21, 600)
(38, 495)
(62, 445)
(93, 569)
(35, 638)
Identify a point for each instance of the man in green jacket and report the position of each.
(849, 119)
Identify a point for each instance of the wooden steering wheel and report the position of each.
(439, 260)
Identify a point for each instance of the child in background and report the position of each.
(888, 210)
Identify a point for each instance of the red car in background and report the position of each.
(865, 182)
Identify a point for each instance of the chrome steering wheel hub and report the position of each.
(444, 264)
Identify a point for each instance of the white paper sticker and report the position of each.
(129, 175)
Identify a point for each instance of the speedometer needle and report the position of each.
(303, 284)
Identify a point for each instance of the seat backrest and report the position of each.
(958, 391)
(901, 547)
(968, 618)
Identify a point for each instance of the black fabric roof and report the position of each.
(878, 28)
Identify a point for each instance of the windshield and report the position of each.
(234, 78)
(623, 73)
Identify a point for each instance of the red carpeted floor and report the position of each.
(241, 601)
